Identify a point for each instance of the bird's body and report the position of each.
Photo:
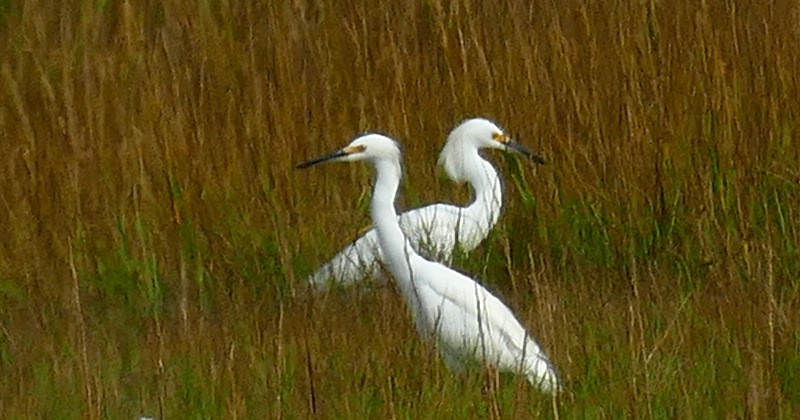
(437, 230)
(469, 323)
(466, 321)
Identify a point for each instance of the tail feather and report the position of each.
(543, 375)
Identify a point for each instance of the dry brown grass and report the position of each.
(154, 236)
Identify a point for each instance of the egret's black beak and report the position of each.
(518, 148)
(337, 154)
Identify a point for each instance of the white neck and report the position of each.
(488, 199)
(397, 251)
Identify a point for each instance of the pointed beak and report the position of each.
(330, 156)
(520, 149)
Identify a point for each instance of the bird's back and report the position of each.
(434, 231)
(437, 229)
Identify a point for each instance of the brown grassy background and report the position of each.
(154, 234)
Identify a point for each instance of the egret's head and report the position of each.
(481, 133)
(369, 147)
(472, 135)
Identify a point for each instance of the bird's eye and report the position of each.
(498, 136)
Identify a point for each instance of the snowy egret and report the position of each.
(437, 229)
(467, 322)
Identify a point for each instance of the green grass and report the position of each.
(154, 234)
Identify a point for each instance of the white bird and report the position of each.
(467, 321)
(437, 229)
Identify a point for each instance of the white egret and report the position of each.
(437, 229)
(467, 321)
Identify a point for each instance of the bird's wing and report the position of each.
(466, 313)
(435, 230)
(432, 231)
(354, 263)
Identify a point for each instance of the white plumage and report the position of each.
(436, 230)
(467, 321)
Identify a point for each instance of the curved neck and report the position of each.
(397, 251)
(488, 199)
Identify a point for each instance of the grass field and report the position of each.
(154, 235)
